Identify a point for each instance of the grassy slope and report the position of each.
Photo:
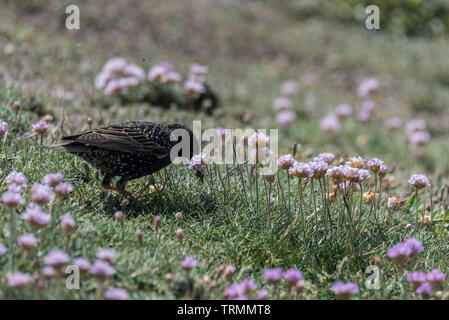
(250, 50)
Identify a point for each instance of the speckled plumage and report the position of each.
(129, 150)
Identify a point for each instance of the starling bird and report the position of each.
(129, 150)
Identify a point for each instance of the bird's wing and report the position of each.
(126, 138)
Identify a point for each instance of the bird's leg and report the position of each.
(121, 184)
(106, 182)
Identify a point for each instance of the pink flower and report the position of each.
(52, 179)
(63, 188)
(40, 127)
(344, 111)
(330, 124)
(157, 220)
(56, 258)
(106, 254)
(67, 223)
(36, 216)
(364, 116)
(419, 138)
(367, 86)
(367, 111)
(27, 241)
(284, 118)
(262, 294)
(375, 164)
(326, 157)
(419, 181)
(16, 178)
(301, 170)
(164, 73)
(221, 131)
(116, 294)
(194, 87)
(189, 263)
(344, 290)
(3, 250)
(101, 269)
(260, 156)
(198, 69)
(198, 162)
(12, 199)
(41, 194)
(115, 64)
(435, 278)
(356, 162)
(16, 105)
(292, 276)
(118, 216)
(393, 123)
(180, 234)
(18, 279)
(337, 174)
(132, 71)
(382, 171)
(259, 140)
(113, 87)
(117, 76)
(233, 290)
(82, 263)
(425, 290)
(286, 161)
(48, 272)
(229, 271)
(282, 104)
(3, 127)
(415, 125)
(290, 87)
(319, 169)
(272, 276)
(179, 217)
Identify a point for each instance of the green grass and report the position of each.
(252, 49)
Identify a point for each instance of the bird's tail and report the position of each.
(68, 147)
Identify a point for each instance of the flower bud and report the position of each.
(157, 221)
(180, 235)
(368, 196)
(139, 236)
(179, 217)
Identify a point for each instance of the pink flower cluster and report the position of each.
(40, 127)
(367, 86)
(403, 251)
(424, 284)
(198, 163)
(164, 72)
(416, 135)
(330, 124)
(3, 127)
(259, 145)
(195, 81)
(366, 113)
(118, 76)
(284, 105)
